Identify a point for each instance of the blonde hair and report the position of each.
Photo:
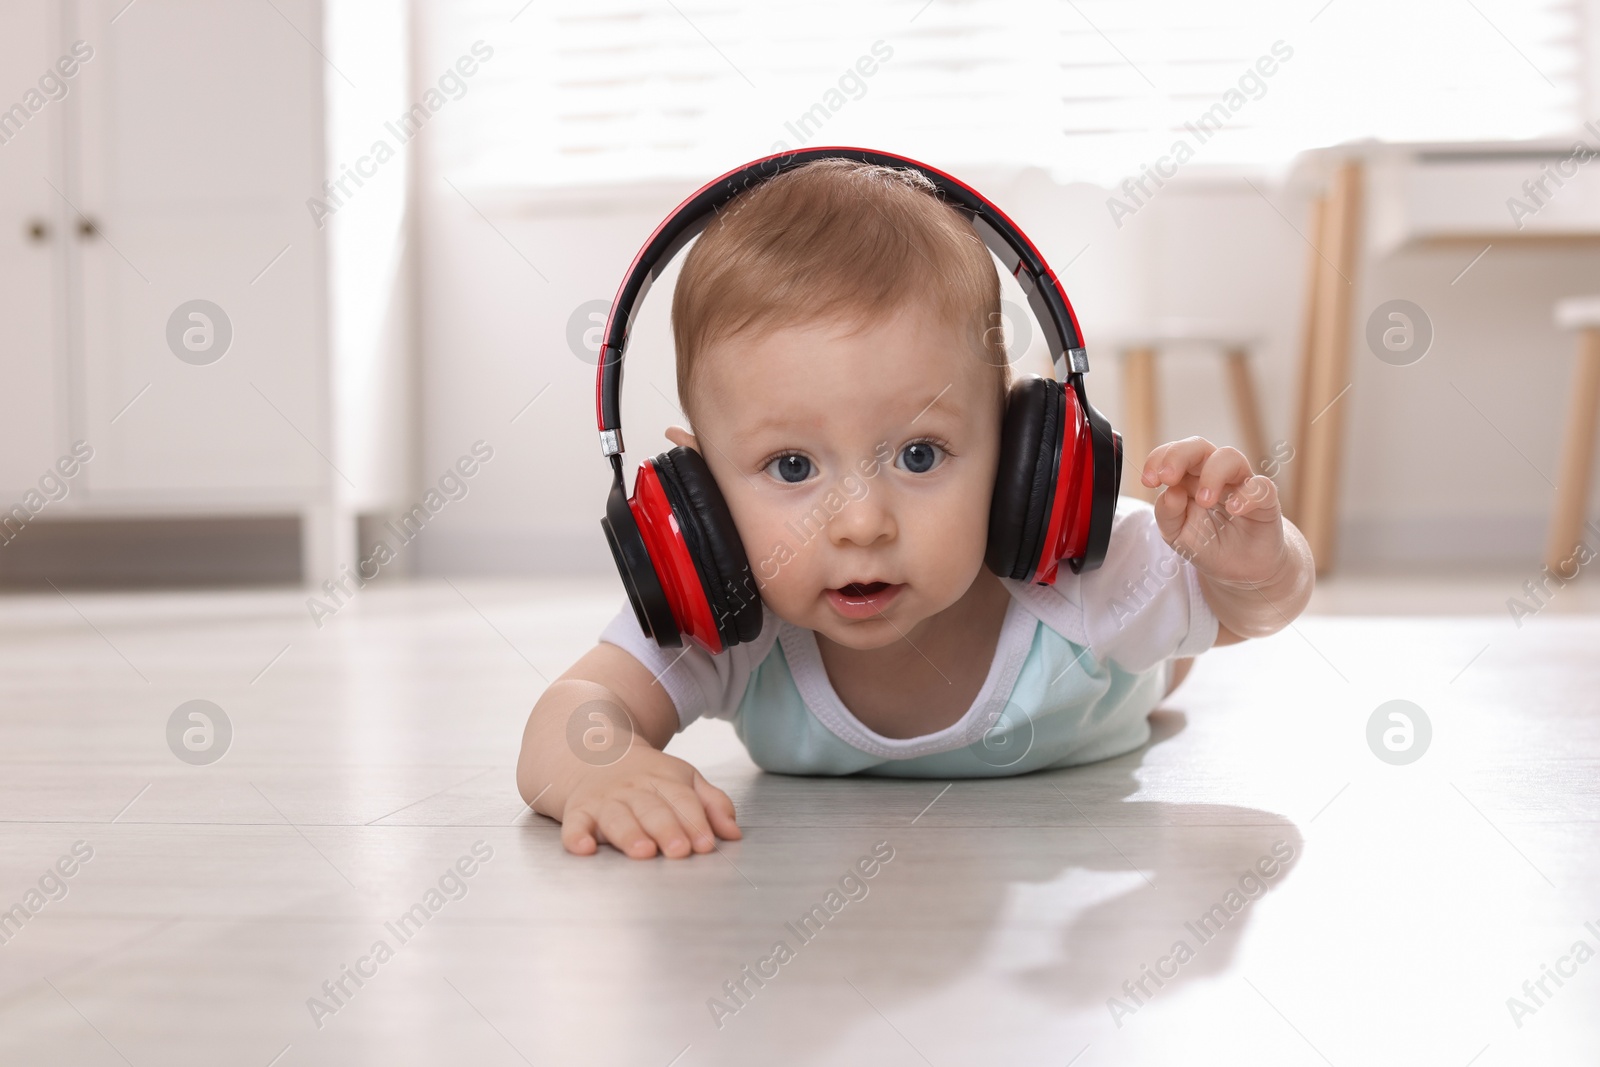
(835, 240)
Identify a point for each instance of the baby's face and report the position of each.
(858, 467)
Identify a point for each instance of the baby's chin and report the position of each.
(862, 635)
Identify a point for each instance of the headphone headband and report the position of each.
(1002, 237)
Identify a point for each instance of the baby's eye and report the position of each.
(920, 457)
(791, 468)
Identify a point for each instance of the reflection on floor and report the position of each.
(356, 882)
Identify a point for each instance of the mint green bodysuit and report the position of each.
(1077, 669)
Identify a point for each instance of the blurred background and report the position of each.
(297, 295)
(271, 269)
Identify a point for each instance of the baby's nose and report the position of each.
(866, 520)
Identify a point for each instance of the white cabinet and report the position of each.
(174, 169)
(32, 229)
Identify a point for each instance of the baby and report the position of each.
(843, 385)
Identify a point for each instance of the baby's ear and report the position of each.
(681, 437)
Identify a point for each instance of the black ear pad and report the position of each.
(1030, 456)
(713, 543)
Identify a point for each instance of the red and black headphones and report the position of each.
(674, 540)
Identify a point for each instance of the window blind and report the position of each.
(610, 91)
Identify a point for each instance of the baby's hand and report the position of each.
(1215, 512)
(645, 800)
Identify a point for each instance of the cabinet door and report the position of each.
(33, 424)
(200, 141)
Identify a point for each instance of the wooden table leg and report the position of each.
(1291, 488)
(1327, 370)
(1577, 458)
(1246, 407)
(1140, 418)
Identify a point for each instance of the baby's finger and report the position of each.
(1224, 467)
(621, 828)
(661, 823)
(1168, 463)
(578, 833)
(1171, 507)
(686, 805)
(1158, 466)
(1149, 474)
(1259, 493)
(719, 808)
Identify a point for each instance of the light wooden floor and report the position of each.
(369, 756)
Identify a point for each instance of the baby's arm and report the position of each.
(646, 799)
(1255, 567)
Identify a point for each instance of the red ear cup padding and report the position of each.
(1073, 504)
(713, 542)
(1101, 498)
(680, 556)
(671, 561)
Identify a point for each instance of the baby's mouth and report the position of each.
(859, 589)
(863, 600)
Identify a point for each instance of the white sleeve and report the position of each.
(698, 683)
(1144, 603)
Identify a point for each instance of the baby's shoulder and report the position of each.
(1136, 552)
(1057, 607)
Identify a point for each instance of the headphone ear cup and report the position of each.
(1106, 448)
(713, 543)
(651, 605)
(1024, 487)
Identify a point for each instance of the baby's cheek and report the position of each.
(779, 564)
(950, 544)
(789, 593)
